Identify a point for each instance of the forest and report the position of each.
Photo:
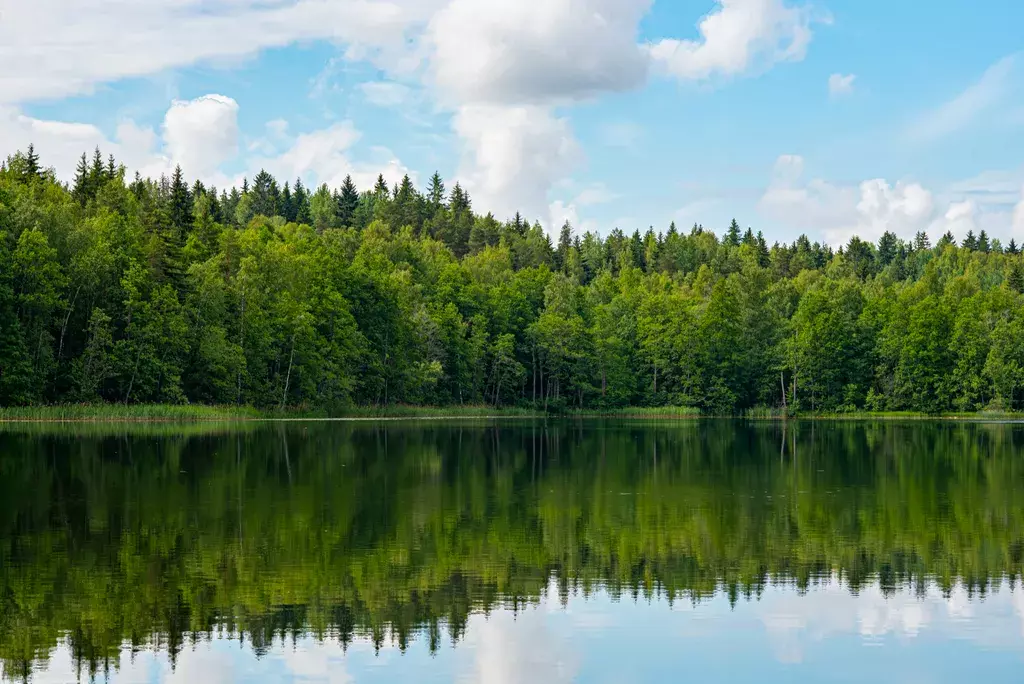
(137, 290)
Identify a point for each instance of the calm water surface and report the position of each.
(515, 551)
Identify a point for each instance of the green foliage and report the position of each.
(275, 296)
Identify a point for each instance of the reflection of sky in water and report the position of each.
(826, 635)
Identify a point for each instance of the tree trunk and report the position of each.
(288, 376)
(241, 345)
(64, 327)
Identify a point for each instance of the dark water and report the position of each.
(513, 552)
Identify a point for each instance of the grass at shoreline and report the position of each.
(221, 414)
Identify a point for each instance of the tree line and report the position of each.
(168, 291)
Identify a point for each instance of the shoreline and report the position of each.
(171, 414)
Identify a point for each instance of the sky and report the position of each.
(828, 118)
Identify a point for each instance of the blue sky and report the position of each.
(827, 118)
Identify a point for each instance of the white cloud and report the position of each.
(60, 143)
(514, 52)
(840, 212)
(958, 219)
(840, 85)
(55, 48)
(520, 649)
(969, 105)
(513, 155)
(385, 93)
(202, 134)
(324, 156)
(504, 65)
(738, 36)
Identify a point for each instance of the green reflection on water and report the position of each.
(155, 537)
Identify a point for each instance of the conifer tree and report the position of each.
(1016, 278)
(32, 168)
(80, 187)
(983, 243)
(180, 205)
(348, 202)
(300, 202)
(287, 204)
(732, 235)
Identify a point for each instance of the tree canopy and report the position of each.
(271, 295)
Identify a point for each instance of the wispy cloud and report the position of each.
(964, 109)
(839, 84)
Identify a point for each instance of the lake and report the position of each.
(512, 551)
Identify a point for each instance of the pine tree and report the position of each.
(1016, 278)
(407, 205)
(97, 173)
(763, 255)
(80, 189)
(266, 196)
(348, 202)
(732, 235)
(32, 168)
(887, 247)
(983, 243)
(564, 243)
(287, 203)
(181, 204)
(435, 196)
(300, 201)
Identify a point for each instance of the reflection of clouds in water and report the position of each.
(794, 623)
(518, 650)
(311, 663)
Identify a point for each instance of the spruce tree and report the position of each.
(435, 196)
(300, 201)
(80, 187)
(287, 204)
(887, 247)
(348, 202)
(732, 235)
(1016, 278)
(97, 173)
(266, 196)
(983, 243)
(1012, 247)
(32, 168)
(921, 242)
(970, 242)
(181, 204)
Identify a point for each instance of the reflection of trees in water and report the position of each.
(347, 530)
